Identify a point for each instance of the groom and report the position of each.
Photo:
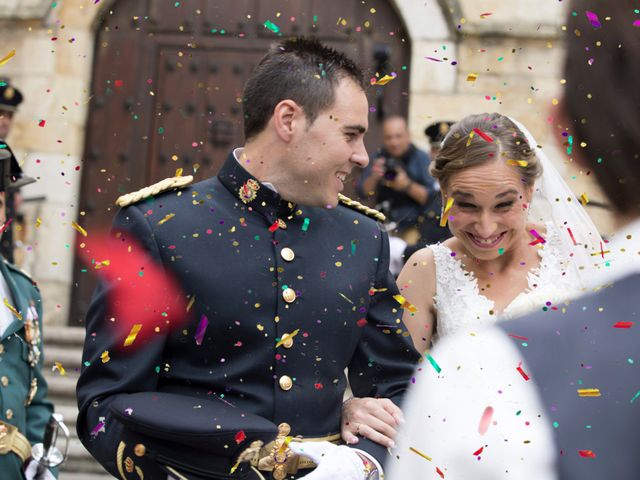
(555, 395)
(287, 287)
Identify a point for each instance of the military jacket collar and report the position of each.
(251, 192)
(20, 303)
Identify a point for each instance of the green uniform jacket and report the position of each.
(16, 372)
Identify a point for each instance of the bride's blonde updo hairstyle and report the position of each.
(461, 150)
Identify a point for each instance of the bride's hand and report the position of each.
(374, 418)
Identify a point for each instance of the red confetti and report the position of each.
(572, 237)
(479, 451)
(118, 83)
(484, 136)
(623, 325)
(485, 420)
(273, 227)
(362, 322)
(318, 386)
(518, 337)
(240, 437)
(4, 227)
(524, 375)
(439, 472)
(41, 123)
(587, 453)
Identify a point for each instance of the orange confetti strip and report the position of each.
(133, 334)
(383, 81)
(13, 309)
(587, 453)
(405, 304)
(517, 163)
(418, 452)
(82, 231)
(445, 214)
(589, 392)
(472, 77)
(7, 57)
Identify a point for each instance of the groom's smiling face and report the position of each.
(490, 208)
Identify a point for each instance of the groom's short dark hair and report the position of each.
(602, 96)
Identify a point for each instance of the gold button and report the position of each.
(285, 383)
(287, 254)
(9, 413)
(4, 380)
(289, 295)
(140, 450)
(288, 341)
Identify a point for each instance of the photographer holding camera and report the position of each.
(400, 181)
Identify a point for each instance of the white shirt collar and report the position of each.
(237, 154)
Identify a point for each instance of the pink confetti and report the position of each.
(202, 327)
(485, 420)
(593, 19)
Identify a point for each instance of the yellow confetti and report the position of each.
(471, 135)
(102, 263)
(104, 356)
(192, 300)
(589, 392)
(260, 327)
(82, 231)
(7, 57)
(472, 77)
(38, 222)
(167, 217)
(179, 172)
(58, 366)
(445, 214)
(517, 163)
(13, 309)
(133, 334)
(384, 80)
(414, 450)
(405, 304)
(584, 199)
(287, 336)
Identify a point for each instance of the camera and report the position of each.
(391, 168)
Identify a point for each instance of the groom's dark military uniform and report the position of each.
(293, 296)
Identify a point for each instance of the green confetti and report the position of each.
(500, 251)
(433, 363)
(353, 247)
(635, 396)
(315, 19)
(272, 26)
(305, 224)
(556, 424)
(570, 147)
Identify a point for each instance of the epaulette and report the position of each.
(17, 269)
(369, 212)
(152, 190)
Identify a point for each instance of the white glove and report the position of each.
(333, 461)
(32, 469)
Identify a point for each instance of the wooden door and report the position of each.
(167, 83)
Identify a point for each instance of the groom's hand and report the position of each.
(374, 418)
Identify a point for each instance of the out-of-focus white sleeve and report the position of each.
(444, 412)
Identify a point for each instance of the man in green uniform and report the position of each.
(24, 408)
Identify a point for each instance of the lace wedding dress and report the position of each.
(461, 307)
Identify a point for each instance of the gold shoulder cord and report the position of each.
(155, 189)
(354, 204)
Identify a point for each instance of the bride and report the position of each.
(521, 242)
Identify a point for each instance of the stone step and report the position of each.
(83, 476)
(58, 335)
(70, 357)
(80, 460)
(62, 389)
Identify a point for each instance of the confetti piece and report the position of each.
(271, 26)
(593, 19)
(192, 300)
(202, 327)
(587, 453)
(589, 392)
(101, 263)
(362, 322)
(82, 231)
(584, 199)
(479, 451)
(42, 123)
(433, 59)
(418, 452)
(384, 80)
(7, 57)
(274, 227)
(166, 218)
(38, 222)
(133, 334)
(439, 472)
(13, 309)
(635, 397)
(104, 356)
(485, 15)
(404, 303)
(287, 336)
(485, 420)
(538, 238)
(472, 77)
(471, 135)
(433, 363)
(636, 23)
(518, 337)
(99, 428)
(345, 297)
(484, 136)
(445, 214)
(305, 224)
(572, 237)
(521, 371)
(623, 325)
(4, 227)
(240, 437)
(58, 366)
(517, 163)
